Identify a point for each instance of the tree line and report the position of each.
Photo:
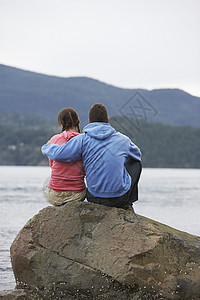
(162, 146)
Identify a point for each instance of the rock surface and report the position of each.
(89, 251)
(17, 295)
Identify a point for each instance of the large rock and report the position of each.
(13, 295)
(89, 251)
(18, 294)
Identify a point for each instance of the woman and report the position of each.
(67, 178)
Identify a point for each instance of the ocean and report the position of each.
(170, 196)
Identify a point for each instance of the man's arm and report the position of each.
(69, 151)
(134, 152)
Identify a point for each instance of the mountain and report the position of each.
(30, 93)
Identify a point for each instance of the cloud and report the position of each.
(147, 44)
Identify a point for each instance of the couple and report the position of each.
(112, 163)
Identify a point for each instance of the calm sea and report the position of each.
(171, 196)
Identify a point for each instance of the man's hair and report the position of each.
(98, 113)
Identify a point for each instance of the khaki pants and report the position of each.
(59, 198)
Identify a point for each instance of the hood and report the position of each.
(99, 130)
(69, 134)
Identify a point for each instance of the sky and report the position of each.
(146, 44)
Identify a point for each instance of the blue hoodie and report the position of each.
(104, 153)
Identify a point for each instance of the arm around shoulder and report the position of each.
(69, 151)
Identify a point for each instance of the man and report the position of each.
(111, 161)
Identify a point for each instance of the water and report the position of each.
(21, 197)
(171, 196)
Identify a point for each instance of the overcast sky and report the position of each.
(128, 43)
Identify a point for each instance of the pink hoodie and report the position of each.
(66, 175)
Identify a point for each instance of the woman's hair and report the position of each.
(68, 118)
(75, 118)
(98, 113)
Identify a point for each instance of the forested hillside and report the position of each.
(161, 145)
(29, 104)
(32, 93)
